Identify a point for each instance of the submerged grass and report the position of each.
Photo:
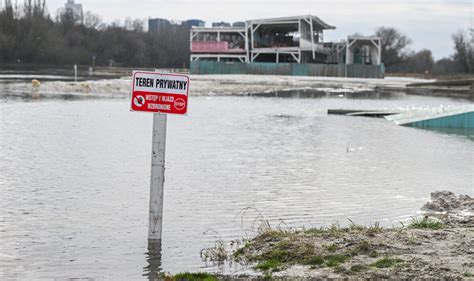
(216, 253)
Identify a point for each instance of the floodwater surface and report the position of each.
(74, 178)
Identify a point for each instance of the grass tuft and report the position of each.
(357, 268)
(267, 265)
(425, 223)
(331, 247)
(216, 253)
(199, 276)
(315, 261)
(335, 260)
(374, 229)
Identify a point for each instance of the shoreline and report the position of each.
(233, 85)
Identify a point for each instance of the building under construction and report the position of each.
(286, 46)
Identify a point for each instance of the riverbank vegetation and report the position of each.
(30, 35)
(425, 248)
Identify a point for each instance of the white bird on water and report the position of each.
(352, 149)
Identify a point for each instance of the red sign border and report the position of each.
(161, 74)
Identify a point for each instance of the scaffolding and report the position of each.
(298, 39)
(289, 39)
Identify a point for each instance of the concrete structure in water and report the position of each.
(281, 41)
(461, 118)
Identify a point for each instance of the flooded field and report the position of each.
(74, 177)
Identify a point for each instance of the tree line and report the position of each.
(398, 58)
(29, 35)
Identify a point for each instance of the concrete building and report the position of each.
(298, 39)
(157, 25)
(291, 39)
(283, 46)
(75, 11)
(195, 23)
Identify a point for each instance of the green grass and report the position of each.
(331, 247)
(425, 223)
(315, 261)
(315, 231)
(468, 274)
(334, 260)
(241, 251)
(269, 265)
(374, 229)
(187, 276)
(387, 262)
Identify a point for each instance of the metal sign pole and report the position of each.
(162, 94)
(157, 177)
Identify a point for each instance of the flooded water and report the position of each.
(74, 178)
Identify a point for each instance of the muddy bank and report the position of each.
(439, 244)
(211, 85)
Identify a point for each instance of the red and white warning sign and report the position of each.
(156, 92)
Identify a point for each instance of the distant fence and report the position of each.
(330, 70)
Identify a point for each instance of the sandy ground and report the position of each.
(203, 85)
(411, 251)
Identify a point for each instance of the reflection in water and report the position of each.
(153, 258)
(467, 133)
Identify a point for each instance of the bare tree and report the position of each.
(421, 61)
(464, 52)
(92, 20)
(394, 45)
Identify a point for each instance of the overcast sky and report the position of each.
(429, 23)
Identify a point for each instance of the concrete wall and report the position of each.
(330, 70)
(458, 121)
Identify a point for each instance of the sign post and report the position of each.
(157, 180)
(161, 94)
